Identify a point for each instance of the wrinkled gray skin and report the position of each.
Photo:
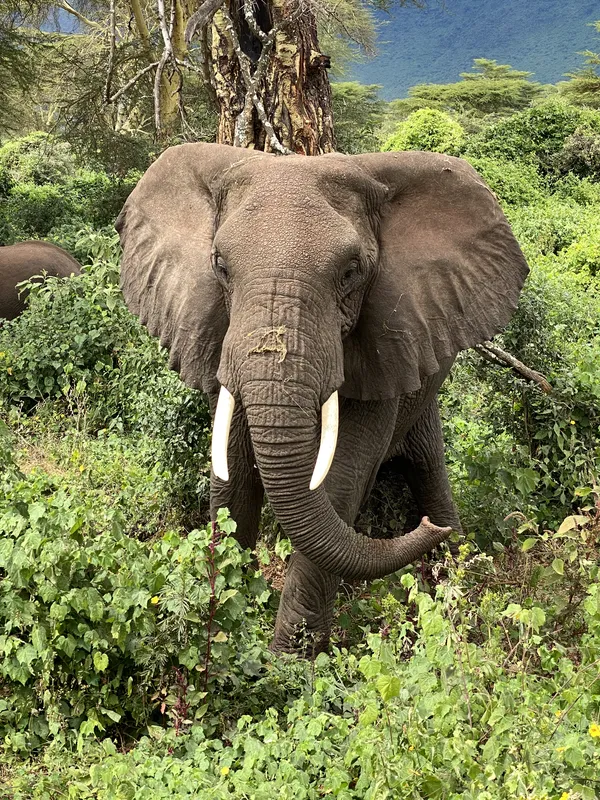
(20, 262)
(286, 278)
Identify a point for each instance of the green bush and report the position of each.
(102, 368)
(465, 693)
(549, 226)
(513, 183)
(31, 211)
(37, 158)
(536, 135)
(580, 156)
(97, 628)
(512, 447)
(428, 129)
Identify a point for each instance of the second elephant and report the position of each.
(319, 301)
(22, 261)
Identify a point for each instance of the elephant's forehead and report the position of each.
(300, 179)
(290, 230)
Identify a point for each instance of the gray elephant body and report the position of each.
(22, 261)
(285, 280)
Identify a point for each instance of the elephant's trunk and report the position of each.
(283, 423)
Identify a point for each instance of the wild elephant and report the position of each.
(320, 303)
(20, 262)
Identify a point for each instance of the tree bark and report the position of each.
(271, 83)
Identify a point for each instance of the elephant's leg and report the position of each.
(243, 493)
(306, 607)
(422, 463)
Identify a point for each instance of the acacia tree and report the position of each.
(268, 74)
(145, 67)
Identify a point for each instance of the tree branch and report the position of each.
(167, 55)
(131, 82)
(111, 52)
(495, 355)
(251, 84)
(77, 14)
(201, 18)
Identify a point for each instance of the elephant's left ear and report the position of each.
(450, 273)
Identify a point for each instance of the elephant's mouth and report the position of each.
(222, 426)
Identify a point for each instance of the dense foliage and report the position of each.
(134, 655)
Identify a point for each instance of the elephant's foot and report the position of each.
(305, 612)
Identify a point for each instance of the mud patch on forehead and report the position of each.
(271, 341)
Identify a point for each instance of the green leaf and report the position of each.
(528, 544)
(558, 565)
(388, 686)
(100, 661)
(369, 715)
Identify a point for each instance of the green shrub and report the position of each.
(97, 628)
(466, 692)
(88, 199)
(549, 226)
(513, 183)
(428, 129)
(102, 367)
(30, 211)
(536, 135)
(584, 253)
(580, 156)
(37, 158)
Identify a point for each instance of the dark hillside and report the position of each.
(435, 45)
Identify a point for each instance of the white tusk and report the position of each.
(220, 437)
(329, 433)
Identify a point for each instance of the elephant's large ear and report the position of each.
(166, 228)
(450, 273)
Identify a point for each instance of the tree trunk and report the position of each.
(286, 74)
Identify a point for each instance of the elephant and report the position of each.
(22, 261)
(320, 302)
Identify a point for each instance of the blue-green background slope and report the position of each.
(435, 45)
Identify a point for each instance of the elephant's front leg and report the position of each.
(243, 493)
(421, 460)
(306, 607)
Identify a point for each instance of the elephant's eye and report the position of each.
(349, 278)
(221, 271)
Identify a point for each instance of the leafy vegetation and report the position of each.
(134, 656)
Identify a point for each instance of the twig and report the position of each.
(496, 355)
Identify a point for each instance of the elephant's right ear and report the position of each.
(166, 229)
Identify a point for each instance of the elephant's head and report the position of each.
(286, 280)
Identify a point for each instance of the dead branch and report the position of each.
(201, 18)
(65, 6)
(249, 6)
(251, 84)
(131, 82)
(495, 355)
(111, 53)
(167, 55)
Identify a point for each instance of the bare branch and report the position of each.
(167, 55)
(251, 86)
(131, 82)
(496, 355)
(249, 6)
(77, 14)
(111, 52)
(201, 18)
